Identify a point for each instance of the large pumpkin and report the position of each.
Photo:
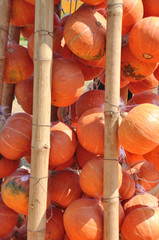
(139, 130)
(83, 220)
(140, 200)
(22, 13)
(64, 187)
(149, 84)
(153, 157)
(15, 136)
(134, 69)
(127, 188)
(7, 167)
(91, 178)
(85, 33)
(62, 143)
(67, 82)
(132, 158)
(54, 224)
(18, 64)
(144, 38)
(90, 130)
(142, 223)
(8, 219)
(24, 94)
(90, 99)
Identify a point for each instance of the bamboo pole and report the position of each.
(8, 89)
(41, 120)
(5, 11)
(112, 93)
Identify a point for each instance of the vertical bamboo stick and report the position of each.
(112, 93)
(5, 11)
(41, 119)
(8, 89)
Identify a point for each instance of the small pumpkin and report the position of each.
(127, 188)
(7, 167)
(15, 136)
(64, 187)
(85, 33)
(18, 66)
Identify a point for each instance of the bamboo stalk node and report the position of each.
(46, 32)
(43, 147)
(111, 5)
(110, 200)
(113, 159)
(111, 113)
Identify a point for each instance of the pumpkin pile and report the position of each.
(76, 161)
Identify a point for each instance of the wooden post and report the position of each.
(112, 93)
(8, 89)
(41, 119)
(5, 11)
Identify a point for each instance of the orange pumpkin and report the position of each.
(140, 200)
(90, 99)
(144, 38)
(153, 157)
(91, 178)
(18, 64)
(67, 82)
(8, 219)
(15, 191)
(54, 224)
(62, 143)
(148, 84)
(138, 131)
(27, 30)
(68, 163)
(90, 130)
(15, 136)
(144, 174)
(83, 156)
(64, 187)
(85, 33)
(127, 188)
(134, 69)
(83, 219)
(22, 13)
(143, 97)
(142, 223)
(66, 237)
(13, 235)
(7, 167)
(151, 8)
(25, 100)
(132, 158)
(156, 73)
(100, 63)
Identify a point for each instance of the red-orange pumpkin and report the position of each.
(15, 136)
(83, 156)
(7, 167)
(18, 64)
(100, 63)
(90, 130)
(132, 158)
(142, 223)
(139, 130)
(143, 97)
(153, 157)
(64, 165)
(13, 235)
(24, 94)
(156, 73)
(62, 143)
(22, 13)
(144, 174)
(144, 38)
(8, 219)
(27, 30)
(66, 237)
(90, 99)
(148, 84)
(83, 220)
(85, 33)
(67, 82)
(134, 69)
(54, 224)
(91, 178)
(64, 187)
(127, 188)
(151, 8)
(93, 2)
(140, 200)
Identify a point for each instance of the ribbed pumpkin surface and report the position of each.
(139, 130)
